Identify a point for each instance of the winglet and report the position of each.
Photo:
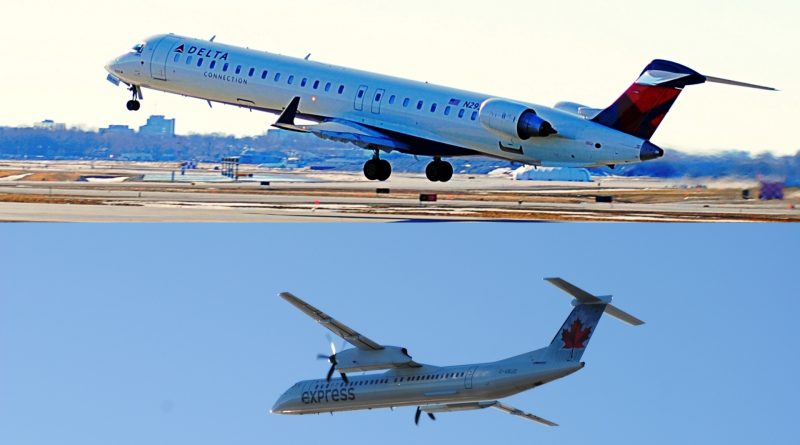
(584, 297)
(286, 119)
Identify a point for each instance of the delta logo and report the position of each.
(576, 336)
(202, 52)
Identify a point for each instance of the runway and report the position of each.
(120, 192)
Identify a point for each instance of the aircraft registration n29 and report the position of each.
(437, 389)
(383, 114)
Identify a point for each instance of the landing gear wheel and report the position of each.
(377, 169)
(384, 170)
(371, 169)
(445, 171)
(432, 171)
(136, 93)
(438, 170)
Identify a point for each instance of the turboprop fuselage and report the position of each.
(423, 386)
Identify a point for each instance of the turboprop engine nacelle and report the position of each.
(513, 119)
(357, 360)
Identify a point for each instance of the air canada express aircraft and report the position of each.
(383, 114)
(437, 389)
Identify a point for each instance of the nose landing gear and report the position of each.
(133, 104)
(377, 169)
(438, 170)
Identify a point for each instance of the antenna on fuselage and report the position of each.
(307, 56)
(212, 38)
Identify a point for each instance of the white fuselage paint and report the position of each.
(387, 103)
(423, 386)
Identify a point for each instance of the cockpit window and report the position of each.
(138, 48)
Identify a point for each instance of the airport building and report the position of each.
(116, 129)
(48, 124)
(158, 125)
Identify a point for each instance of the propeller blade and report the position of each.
(431, 416)
(323, 357)
(416, 416)
(330, 372)
(333, 345)
(345, 379)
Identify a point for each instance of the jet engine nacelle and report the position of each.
(512, 119)
(356, 360)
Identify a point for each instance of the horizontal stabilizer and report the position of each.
(737, 83)
(584, 297)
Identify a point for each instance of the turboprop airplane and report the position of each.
(438, 389)
(384, 114)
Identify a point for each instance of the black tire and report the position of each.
(136, 105)
(445, 171)
(432, 171)
(384, 170)
(131, 105)
(371, 170)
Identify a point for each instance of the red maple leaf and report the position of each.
(575, 336)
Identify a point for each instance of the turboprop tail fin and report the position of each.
(573, 337)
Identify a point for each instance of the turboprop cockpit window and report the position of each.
(138, 48)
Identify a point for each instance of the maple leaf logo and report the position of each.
(575, 336)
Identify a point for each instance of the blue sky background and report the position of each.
(130, 334)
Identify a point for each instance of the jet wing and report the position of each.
(339, 130)
(338, 328)
(517, 412)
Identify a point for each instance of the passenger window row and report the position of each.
(416, 378)
(327, 88)
(264, 73)
(420, 104)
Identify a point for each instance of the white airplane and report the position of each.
(383, 114)
(437, 389)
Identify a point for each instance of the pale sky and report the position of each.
(541, 52)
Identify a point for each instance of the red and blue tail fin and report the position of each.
(644, 104)
(642, 107)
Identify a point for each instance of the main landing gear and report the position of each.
(377, 168)
(133, 104)
(438, 170)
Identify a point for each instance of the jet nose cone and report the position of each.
(111, 65)
(650, 151)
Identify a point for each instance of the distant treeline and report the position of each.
(280, 148)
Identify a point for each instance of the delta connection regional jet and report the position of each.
(383, 114)
(437, 389)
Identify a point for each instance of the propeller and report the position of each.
(418, 413)
(332, 360)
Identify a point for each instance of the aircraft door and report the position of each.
(377, 100)
(158, 59)
(358, 104)
(468, 377)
